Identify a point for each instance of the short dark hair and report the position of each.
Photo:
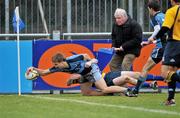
(176, 0)
(58, 57)
(154, 4)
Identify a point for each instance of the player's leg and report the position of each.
(86, 90)
(155, 58)
(124, 79)
(132, 74)
(131, 78)
(121, 78)
(147, 67)
(111, 89)
(100, 82)
(142, 78)
(169, 68)
(169, 74)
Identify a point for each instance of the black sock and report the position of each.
(139, 82)
(171, 89)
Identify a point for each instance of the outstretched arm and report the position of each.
(41, 71)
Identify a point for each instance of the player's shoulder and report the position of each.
(159, 17)
(172, 10)
(74, 58)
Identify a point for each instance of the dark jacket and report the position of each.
(129, 36)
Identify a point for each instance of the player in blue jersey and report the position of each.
(85, 66)
(157, 19)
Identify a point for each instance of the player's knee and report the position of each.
(144, 71)
(164, 74)
(105, 90)
(126, 66)
(137, 75)
(127, 79)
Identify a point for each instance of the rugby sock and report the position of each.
(139, 83)
(172, 86)
(171, 89)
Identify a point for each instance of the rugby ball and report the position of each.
(31, 74)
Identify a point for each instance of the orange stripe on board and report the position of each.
(97, 46)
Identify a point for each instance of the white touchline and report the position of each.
(108, 105)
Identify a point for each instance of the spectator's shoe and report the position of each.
(154, 85)
(170, 102)
(131, 93)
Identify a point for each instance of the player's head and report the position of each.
(57, 59)
(174, 2)
(120, 16)
(153, 6)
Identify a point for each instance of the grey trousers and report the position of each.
(122, 62)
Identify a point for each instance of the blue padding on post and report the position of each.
(104, 56)
(9, 66)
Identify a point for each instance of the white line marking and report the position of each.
(109, 105)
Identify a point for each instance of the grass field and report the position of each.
(78, 106)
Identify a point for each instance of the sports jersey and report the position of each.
(157, 19)
(76, 65)
(172, 23)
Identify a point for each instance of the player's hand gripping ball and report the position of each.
(31, 74)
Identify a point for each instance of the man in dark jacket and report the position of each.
(127, 36)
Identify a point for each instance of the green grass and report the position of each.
(76, 106)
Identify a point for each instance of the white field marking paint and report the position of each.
(108, 105)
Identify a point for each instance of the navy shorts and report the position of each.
(157, 54)
(110, 76)
(171, 55)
